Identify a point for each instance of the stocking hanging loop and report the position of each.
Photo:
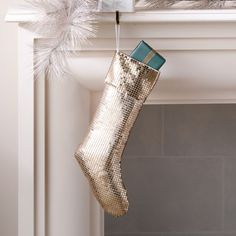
(117, 31)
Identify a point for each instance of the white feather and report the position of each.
(196, 4)
(67, 24)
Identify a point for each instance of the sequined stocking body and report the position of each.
(128, 83)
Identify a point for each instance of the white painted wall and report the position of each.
(8, 123)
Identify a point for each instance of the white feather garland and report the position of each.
(195, 4)
(66, 24)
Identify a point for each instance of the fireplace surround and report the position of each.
(53, 196)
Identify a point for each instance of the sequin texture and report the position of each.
(128, 83)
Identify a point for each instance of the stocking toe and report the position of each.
(106, 181)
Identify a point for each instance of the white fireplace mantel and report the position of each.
(200, 48)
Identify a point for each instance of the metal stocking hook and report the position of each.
(117, 29)
(117, 17)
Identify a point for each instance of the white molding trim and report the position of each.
(106, 45)
(21, 14)
(156, 101)
(40, 127)
(26, 135)
(175, 16)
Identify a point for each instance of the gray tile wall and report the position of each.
(180, 171)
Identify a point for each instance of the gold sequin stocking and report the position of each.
(128, 83)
